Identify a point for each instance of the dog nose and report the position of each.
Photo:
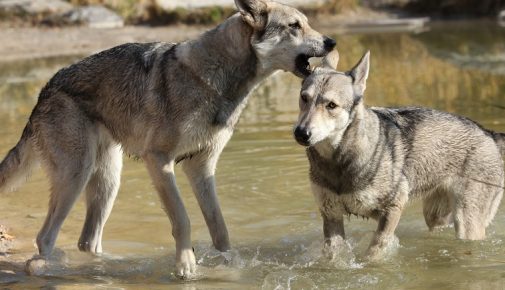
(302, 136)
(329, 43)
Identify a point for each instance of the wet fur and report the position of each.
(380, 158)
(162, 102)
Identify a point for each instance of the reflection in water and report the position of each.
(263, 186)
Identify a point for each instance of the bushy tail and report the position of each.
(499, 138)
(17, 165)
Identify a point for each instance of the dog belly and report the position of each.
(177, 140)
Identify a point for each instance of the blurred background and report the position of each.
(447, 54)
(162, 12)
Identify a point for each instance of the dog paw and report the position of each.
(382, 249)
(374, 254)
(36, 266)
(185, 264)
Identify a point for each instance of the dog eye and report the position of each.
(304, 98)
(331, 105)
(295, 25)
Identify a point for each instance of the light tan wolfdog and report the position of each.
(163, 102)
(371, 161)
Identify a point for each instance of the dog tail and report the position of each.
(17, 165)
(499, 138)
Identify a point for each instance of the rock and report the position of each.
(95, 16)
(6, 240)
(34, 7)
(501, 16)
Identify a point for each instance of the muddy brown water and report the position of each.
(263, 186)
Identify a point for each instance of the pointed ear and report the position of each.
(331, 60)
(253, 12)
(360, 73)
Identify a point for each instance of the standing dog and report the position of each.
(372, 161)
(162, 102)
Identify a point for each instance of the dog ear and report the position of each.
(331, 60)
(359, 74)
(253, 12)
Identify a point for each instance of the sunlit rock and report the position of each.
(34, 7)
(95, 16)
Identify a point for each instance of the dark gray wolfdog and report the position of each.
(163, 102)
(371, 161)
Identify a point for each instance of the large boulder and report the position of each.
(33, 7)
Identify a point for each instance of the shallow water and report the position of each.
(263, 186)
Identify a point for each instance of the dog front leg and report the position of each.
(200, 171)
(384, 233)
(333, 228)
(333, 218)
(161, 169)
(334, 235)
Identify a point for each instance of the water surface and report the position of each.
(263, 186)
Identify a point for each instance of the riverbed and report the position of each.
(262, 180)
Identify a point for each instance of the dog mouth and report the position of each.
(304, 143)
(302, 65)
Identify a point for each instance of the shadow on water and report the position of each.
(263, 185)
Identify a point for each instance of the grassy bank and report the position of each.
(148, 12)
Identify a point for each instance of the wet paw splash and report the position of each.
(335, 254)
(339, 254)
(220, 266)
(284, 280)
(387, 251)
(210, 257)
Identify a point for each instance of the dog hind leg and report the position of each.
(68, 152)
(472, 210)
(437, 209)
(101, 192)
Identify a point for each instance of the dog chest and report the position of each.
(365, 203)
(341, 177)
(351, 187)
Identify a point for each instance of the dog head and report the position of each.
(328, 100)
(282, 37)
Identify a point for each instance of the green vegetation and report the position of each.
(149, 12)
(155, 15)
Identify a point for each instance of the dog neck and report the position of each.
(222, 54)
(348, 164)
(224, 60)
(356, 140)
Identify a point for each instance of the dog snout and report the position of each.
(302, 136)
(329, 43)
